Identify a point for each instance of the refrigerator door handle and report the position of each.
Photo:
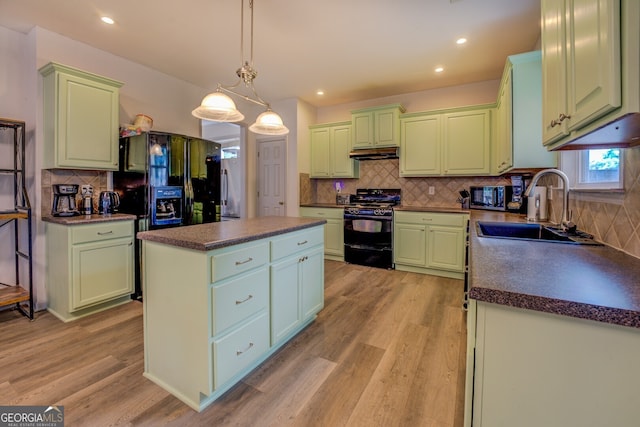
(225, 184)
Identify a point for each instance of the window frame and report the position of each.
(570, 162)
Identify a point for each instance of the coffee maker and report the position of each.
(64, 200)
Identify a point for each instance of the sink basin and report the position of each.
(534, 232)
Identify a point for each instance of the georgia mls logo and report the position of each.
(31, 416)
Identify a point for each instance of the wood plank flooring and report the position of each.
(387, 350)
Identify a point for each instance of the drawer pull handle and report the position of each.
(427, 219)
(105, 233)
(245, 261)
(239, 352)
(304, 242)
(238, 302)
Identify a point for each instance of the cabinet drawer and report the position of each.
(295, 242)
(239, 298)
(101, 231)
(430, 218)
(234, 352)
(226, 264)
(336, 213)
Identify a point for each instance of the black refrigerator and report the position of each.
(168, 180)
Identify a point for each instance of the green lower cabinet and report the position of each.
(410, 244)
(446, 248)
(297, 292)
(90, 267)
(333, 230)
(430, 243)
(101, 271)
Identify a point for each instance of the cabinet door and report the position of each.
(446, 248)
(554, 87)
(410, 244)
(386, 131)
(320, 147)
(87, 124)
(504, 142)
(467, 138)
(593, 40)
(312, 283)
(363, 131)
(420, 142)
(285, 297)
(340, 146)
(334, 237)
(101, 271)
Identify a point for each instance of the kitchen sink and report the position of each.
(534, 232)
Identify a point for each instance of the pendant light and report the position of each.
(219, 107)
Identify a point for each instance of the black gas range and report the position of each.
(368, 227)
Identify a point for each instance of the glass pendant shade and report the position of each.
(269, 123)
(218, 107)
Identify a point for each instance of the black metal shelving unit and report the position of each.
(18, 215)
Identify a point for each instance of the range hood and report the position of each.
(375, 153)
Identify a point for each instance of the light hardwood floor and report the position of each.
(387, 350)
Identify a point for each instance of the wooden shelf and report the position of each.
(9, 215)
(12, 295)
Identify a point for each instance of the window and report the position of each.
(598, 169)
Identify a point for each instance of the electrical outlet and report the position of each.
(86, 190)
(549, 192)
(432, 190)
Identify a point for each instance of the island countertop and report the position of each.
(590, 282)
(216, 235)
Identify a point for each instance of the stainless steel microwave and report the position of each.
(490, 197)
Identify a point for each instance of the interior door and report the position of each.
(271, 177)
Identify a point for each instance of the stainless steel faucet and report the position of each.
(565, 221)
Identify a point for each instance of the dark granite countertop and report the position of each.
(206, 237)
(87, 219)
(590, 282)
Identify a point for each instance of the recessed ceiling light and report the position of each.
(319, 92)
(461, 40)
(439, 70)
(107, 20)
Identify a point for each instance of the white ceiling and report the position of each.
(353, 49)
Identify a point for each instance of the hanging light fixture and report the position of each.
(219, 107)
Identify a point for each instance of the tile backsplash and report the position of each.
(415, 191)
(97, 179)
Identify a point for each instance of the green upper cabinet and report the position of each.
(446, 142)
(330, 147)
(376, 127)
(467, 141)
(81, 112)
(420, 144)
(585, 82)
(503, 126)
(518, 133)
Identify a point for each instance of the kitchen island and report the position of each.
(220, 298)
(553, 333)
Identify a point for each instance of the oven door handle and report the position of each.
(370, 217)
